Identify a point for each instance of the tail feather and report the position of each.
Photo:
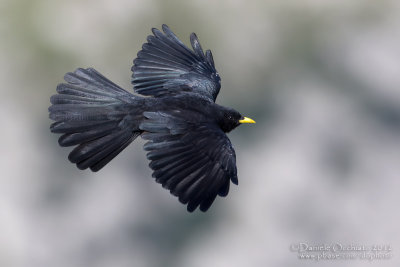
(95, 114)
(89, 149)
(106, 154)
(76, 138)
(85, 91)
(71, 112)
(77, 126)
(76, 99)
(96, 151)
(90, 78)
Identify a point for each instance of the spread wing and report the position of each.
(195, 162)
(167, 66)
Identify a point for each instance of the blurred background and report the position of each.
(321, 166)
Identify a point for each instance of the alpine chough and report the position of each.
(175, 111)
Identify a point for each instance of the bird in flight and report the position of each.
(174, 109)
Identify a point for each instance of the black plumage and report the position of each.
(186, 130)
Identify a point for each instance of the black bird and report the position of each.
(189, 151)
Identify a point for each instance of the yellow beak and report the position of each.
(247, 120)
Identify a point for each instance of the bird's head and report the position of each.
(231, 119)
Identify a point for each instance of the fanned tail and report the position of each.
(95, 115)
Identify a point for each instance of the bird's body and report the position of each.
(189, 151)
(192, 108)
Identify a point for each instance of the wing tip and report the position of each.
(194, 40)
(166, 29)
(235, 180)
(155, 32)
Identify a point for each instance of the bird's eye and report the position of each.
(228, 117)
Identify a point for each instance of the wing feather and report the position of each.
(195, 162)
(165, 65)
